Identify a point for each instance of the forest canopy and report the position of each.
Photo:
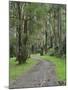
(36, 28)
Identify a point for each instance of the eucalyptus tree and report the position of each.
(37, 25)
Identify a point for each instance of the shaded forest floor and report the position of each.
(40, 75)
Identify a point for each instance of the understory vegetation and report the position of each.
(16, 70)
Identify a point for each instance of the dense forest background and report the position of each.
(37, 28)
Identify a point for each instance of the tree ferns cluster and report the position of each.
(36, 28)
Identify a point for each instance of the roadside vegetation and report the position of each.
(60, 66)
(16, 70)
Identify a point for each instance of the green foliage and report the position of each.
(50, 52)
(60, 66)
(41, 51)
(31, 21)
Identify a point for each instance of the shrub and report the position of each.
(50, 52)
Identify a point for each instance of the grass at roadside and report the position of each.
(60, 66)
(16, 70)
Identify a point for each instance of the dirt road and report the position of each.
(41, 75)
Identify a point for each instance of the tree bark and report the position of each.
(54, 31)
(60, 32)
(19, 58)
(46, 42)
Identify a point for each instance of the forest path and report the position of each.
(41, 75)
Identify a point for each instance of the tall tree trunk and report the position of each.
(60, 32)
(25, 50)
(51, 36)
(19, 34)
(45, 31)
(51, 43)
(54, 31)
(46, 42)
(22, 53)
